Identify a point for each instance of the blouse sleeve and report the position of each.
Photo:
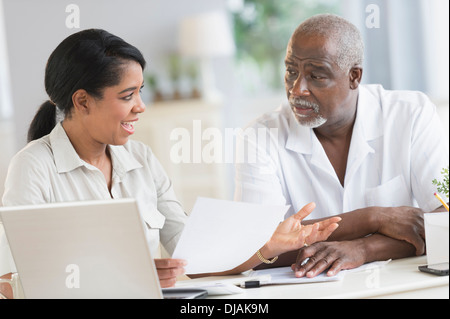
(23, 186)
(168, 205)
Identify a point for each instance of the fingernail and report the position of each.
(299, 273)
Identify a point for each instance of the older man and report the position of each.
(361, 152)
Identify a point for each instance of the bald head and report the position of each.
(345, 36)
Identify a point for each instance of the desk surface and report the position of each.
(398, 279)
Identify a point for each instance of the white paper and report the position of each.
(214, 288)
(220, 235)
(436, 237)
(285, 275)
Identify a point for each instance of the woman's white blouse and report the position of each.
(49, 170)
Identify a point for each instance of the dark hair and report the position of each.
(91, 60)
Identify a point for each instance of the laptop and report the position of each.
(90, 249)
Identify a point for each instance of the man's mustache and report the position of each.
(298, 102)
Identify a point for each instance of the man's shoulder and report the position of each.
(395, 98)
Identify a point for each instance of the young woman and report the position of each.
(79, 149)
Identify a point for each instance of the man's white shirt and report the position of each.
(397, 149)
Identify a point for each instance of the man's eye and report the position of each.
(317, 77)
(291, 72)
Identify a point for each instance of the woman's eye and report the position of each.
(128, 97)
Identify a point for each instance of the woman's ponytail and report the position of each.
(44, 121)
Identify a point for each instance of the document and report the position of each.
(220, 235)
(285, 275)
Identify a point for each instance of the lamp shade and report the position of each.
(206, 35)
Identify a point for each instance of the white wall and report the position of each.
(5, 93)
(6, 126)
(35, 28)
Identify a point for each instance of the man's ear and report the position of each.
(80, 100)
(355, 76)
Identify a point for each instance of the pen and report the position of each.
(251, 284)
(441, 200)
(256, 282)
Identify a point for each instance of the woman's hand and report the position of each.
(292, 235)
(168, 270)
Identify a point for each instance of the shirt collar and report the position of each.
(122, 160)
(368, 124)
(67, 159)
(299, 137)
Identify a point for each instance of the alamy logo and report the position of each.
(73, 19)
(73, 279)
(212, 145)
(373, 19)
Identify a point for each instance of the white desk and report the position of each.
(398, 279)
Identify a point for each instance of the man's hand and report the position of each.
(403, 223)
(335, 256)
(168, 271)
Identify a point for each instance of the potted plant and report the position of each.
(442, 186)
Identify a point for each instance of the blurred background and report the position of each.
(213, 66)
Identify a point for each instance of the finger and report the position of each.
(305, 211)
(167, 283)
(170, 263)
(416, 240)
(306, 261)
(320, 266)
(420, 247)
(323, 235)
(307, 252)
(170, 273)
(313, 235)
(300, 269)
(337, 266)
(327, 222)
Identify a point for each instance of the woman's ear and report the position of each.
(355, 76)
(80, 100)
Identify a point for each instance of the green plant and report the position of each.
(262, 29)
(442, 186)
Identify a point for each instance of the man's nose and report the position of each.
(300, 87)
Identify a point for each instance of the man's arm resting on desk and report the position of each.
(401, 223)
(404, 224)
(337, 256)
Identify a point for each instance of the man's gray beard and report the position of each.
(314, 122)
